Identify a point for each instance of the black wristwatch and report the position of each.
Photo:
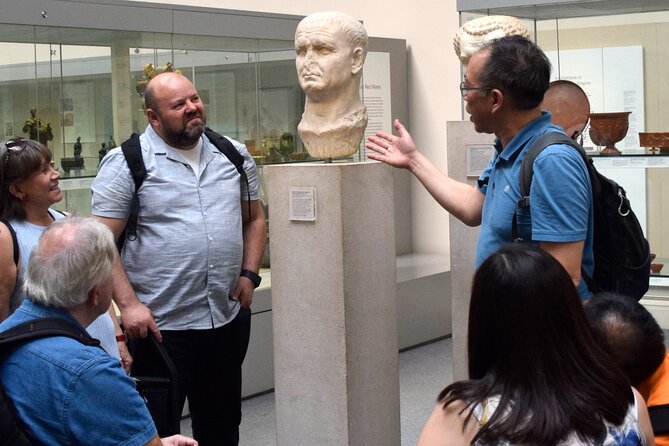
(253, 277)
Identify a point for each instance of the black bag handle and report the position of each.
(157, 364)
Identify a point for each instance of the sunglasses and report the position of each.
(13, 145)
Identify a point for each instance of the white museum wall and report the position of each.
(428, 26)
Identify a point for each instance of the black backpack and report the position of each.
(132, 152)
(12, 429)
(659, 419)
(15, 242)
(621, 252)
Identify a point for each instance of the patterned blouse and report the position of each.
(627, 434)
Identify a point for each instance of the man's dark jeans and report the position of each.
(209, 367)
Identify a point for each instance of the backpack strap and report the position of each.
(224, 145)
(15, 242)
(132, 151)
(659, 419)
(12, 428)
(43, 328)
(527, 171)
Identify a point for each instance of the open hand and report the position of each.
(397, 151)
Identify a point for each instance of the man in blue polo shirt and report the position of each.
(504, 86)
(63, 391)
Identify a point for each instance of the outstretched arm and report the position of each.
(465, 202)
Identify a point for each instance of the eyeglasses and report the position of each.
(13, 145)
(464, 89)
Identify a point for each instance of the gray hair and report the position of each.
(71, 257)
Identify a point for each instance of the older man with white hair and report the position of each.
(63, 391)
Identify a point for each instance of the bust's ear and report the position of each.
(357, 60)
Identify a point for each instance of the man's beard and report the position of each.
(187, 135)
(193, 133)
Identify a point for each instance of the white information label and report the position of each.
(302, 203)
(477, 158)
(375, 93)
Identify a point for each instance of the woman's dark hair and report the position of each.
(530, 344)
(519, 68)
(628, 332)
(19, 158)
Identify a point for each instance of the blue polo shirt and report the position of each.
(67, 393)
(560, 196)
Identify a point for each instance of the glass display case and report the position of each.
(74, 79)
(83, 87)
(616, 52)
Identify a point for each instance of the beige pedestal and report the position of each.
(460, 135)
(334, 307)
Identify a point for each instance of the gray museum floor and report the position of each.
(424, 371)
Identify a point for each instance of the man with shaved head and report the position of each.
(189, 275)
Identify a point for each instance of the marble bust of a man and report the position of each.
(330, 52)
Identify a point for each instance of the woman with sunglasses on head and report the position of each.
(537, 377)
(29, 189)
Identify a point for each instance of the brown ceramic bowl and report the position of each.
(652, 256)
(656, 267)
(606, 129)
(655, 140)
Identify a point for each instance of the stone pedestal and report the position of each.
(334, 307)
(461, 134)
